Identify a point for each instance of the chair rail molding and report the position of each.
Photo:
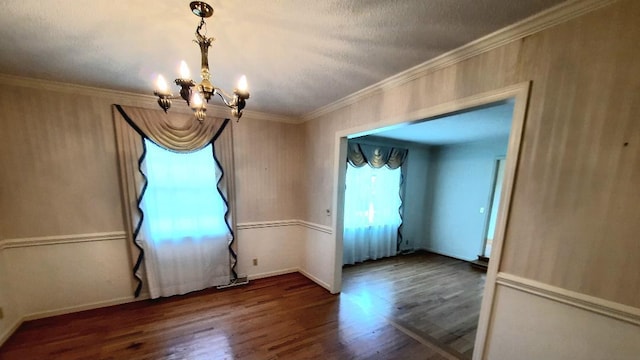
(61, 239)
(280, 223)
(590, 303)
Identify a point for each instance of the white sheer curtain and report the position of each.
(184, 233)
(371, 213)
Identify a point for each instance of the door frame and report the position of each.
(520, 94)
(489, 207)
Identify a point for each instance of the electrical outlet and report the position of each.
(255, 262)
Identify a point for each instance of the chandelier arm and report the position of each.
(224, 98)
(223, 93)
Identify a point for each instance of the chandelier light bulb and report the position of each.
(196, 100)
(184, 70)
(242, 84)
(161, 85)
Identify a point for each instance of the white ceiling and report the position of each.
(491, 122)
(297, 54)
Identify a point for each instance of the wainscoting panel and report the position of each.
(286, 246)
(10, 309)
(529, 326)
(50, 274)
(54, 275)
(276, 245)
(318, 255)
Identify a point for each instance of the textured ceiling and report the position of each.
(487, 123)
(297, 54)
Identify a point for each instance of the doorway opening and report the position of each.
(450, 317)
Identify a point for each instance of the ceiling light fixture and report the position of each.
(205, 90)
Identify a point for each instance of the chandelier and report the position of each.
(198, 95)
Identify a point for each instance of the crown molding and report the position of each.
(529, 26)
(132, 99)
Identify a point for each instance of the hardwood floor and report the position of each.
(434, 297)
(284, 317)
(419, 306)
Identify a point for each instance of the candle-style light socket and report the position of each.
(200, 114)
(244, 95)
(185, 88)
(240, 104)
(164, 100)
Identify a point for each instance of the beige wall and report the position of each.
(269, 170)
(59, 165)
(575, 215)
(59, 171)
(575, 218)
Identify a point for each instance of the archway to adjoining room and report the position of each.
(501, 109)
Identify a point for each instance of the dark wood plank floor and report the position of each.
(284, 317)
(434, 297)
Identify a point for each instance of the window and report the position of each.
(371, 213)
(181, 200)
(372, 196)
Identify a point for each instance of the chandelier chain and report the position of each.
(202, 24)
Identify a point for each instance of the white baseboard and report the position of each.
(83, 307)
(271, 273)
(5, 336)
(289, 271)
(315, 279)
(445, 253)
(68, 310)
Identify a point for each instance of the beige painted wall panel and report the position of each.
(319, 135)
(575, 219)
(58, 162)
(59, 166)
(269, 167)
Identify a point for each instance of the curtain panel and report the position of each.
(360, 154)
(178, 133)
